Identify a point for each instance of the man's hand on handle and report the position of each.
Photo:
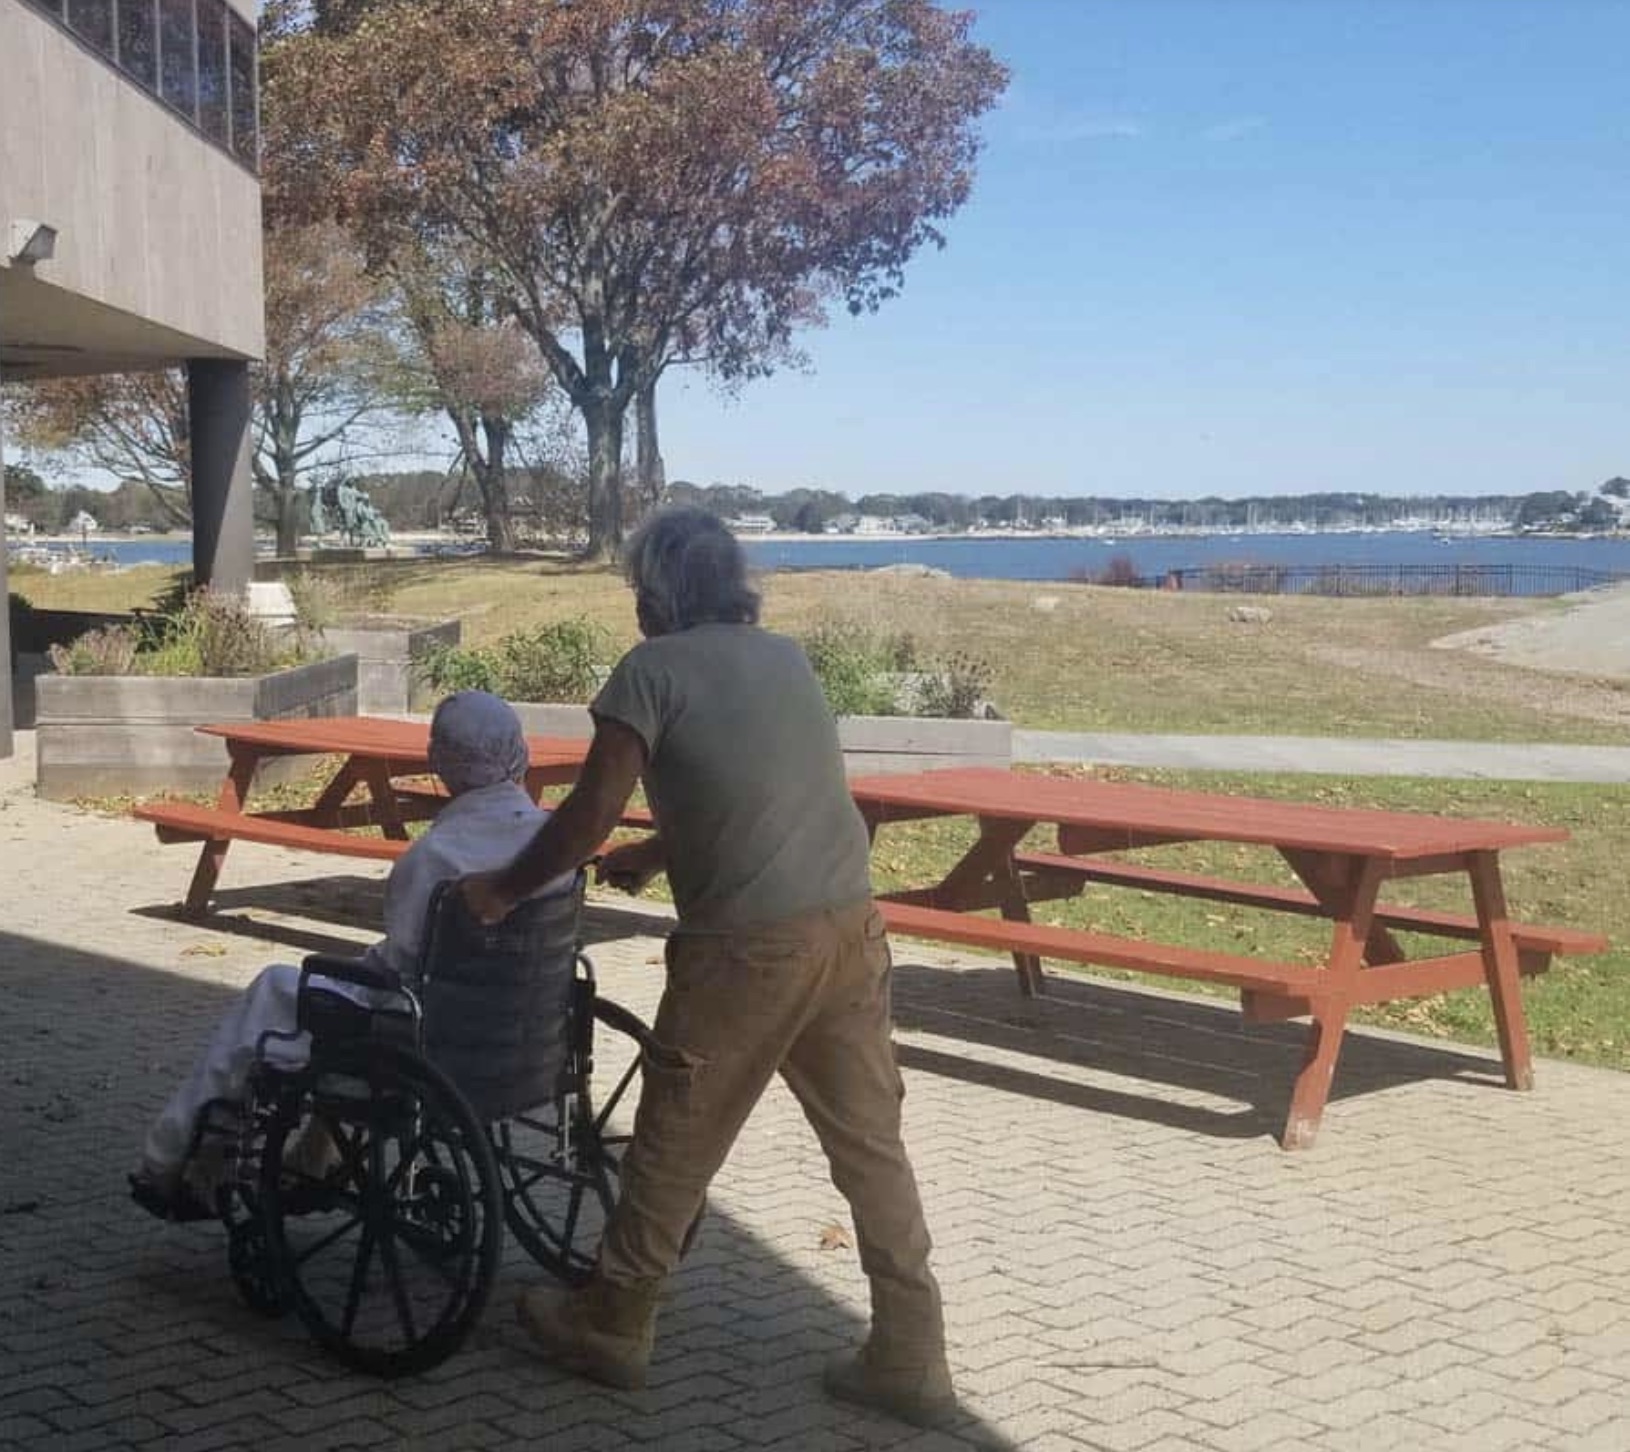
(485, 897)
(630, 867)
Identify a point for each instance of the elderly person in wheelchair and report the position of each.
(478, 750)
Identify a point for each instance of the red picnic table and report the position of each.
(1343, 858)
(389, 759)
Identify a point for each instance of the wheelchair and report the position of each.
(367, 1189)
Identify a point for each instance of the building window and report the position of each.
(212, 105)
(92, 22)
(138, 42)
(199, 56)
(177, 56)
(245, 120)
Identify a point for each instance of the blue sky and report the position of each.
(1234, 247)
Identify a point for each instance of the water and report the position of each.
(1000, 558)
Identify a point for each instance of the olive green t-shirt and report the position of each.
(744, 775)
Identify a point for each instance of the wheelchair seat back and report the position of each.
(497, 999)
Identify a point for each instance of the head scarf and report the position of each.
(476, 741)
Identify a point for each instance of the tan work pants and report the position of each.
(808, 997)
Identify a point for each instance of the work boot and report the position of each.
(604, 1331)
(914, 1391)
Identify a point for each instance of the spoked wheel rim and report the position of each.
(560, 1189)
(389, 1257)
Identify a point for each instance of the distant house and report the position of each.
(83, 523)
(752, 524)
(841, 524)
(16, 524)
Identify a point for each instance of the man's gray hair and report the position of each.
(686, 569)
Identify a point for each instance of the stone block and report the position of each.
(390, 655)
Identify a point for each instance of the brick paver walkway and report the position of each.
(1129, 1260)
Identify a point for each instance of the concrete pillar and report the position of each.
(223, 518)
(6, 716)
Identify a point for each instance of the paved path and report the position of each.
(1130, 1263)
(1340, 756)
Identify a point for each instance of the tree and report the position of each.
(652, 180)
(129, 425)
(322, 377)
(469, 361)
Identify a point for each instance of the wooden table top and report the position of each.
(1188, 816)
(379, 737)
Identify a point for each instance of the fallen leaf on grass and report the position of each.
(835, 1237)
(204, 950)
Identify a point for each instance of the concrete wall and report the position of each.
(388, 662)
(871, 744)
(134, 735)
(154, 221)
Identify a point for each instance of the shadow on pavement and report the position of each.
(282, 912)
(1235, 1078)
(116, 1330)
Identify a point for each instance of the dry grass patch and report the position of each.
(1097, 659)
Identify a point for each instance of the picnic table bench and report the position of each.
(1342, 856)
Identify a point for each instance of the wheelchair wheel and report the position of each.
(388, 1256)
(560, 1182)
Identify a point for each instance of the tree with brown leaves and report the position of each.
(647, 181)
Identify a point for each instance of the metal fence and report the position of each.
(1384, 579)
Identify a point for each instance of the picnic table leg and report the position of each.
(326, 808)
(233, 795)
(1353, 905)
(1321, 874)
(1500, 969)
(987, 864)
(377, 775)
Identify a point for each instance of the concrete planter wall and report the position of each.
(389, 657)
(118, 735)
(870, 743)
(876, 744)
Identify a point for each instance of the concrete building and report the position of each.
(130, 225)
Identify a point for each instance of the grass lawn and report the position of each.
(1096, 659)
(1106, 659)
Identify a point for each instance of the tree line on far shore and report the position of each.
(545, 506)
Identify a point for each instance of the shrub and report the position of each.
(208, 634)
(110, 651)
(317, 602)
(855, 667)
(954, 686)
(449, 668)
(1119, 571)
(214, 634)
(561, 661)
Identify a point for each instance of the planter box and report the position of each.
(133, 735)
(389, 655)
(871, 744)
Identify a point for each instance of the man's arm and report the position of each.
(574, 830)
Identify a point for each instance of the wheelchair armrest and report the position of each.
(351, 970)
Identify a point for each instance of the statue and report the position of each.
(341, 508)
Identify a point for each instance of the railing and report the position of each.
(196, 56)
(1385, 579)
